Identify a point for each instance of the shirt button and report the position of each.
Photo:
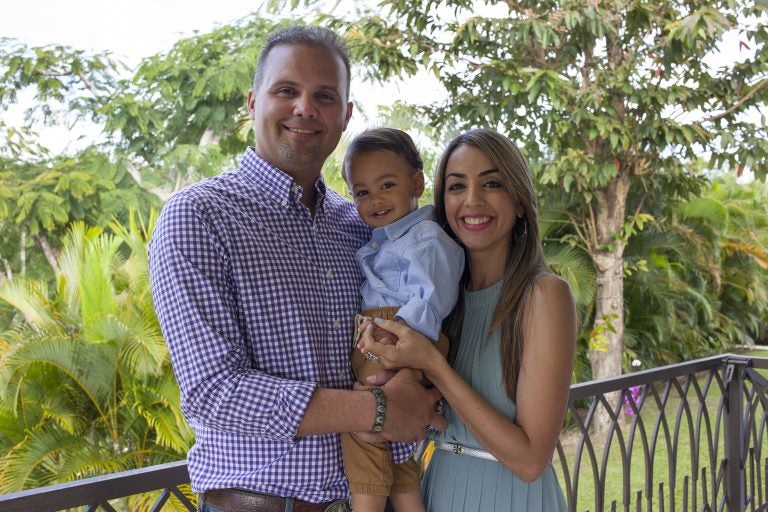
(284, 202)
(329, 274)
(336, 324)
(374, 245)
(294, 188)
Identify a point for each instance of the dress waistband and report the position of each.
(464, 450)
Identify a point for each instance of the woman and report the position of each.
(513, 335)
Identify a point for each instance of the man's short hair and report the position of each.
(303, 34)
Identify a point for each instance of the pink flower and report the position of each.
(634, 395)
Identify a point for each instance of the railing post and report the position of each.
(735, 369)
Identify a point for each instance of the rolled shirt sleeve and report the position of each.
(198, 312)
(434, 265)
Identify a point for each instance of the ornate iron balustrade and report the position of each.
(688, 436)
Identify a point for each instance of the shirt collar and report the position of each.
(402, 225)
(273, 182)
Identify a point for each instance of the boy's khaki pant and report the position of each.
(369, 467)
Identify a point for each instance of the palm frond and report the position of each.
(30, 298)
(576, 268)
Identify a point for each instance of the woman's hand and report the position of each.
(412, 350)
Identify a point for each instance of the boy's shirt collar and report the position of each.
(402, 225)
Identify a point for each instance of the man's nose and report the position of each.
(304, 106)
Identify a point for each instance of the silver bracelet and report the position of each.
(381, 409)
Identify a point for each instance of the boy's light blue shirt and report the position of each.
(414, 265)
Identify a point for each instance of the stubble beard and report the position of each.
(299, 154)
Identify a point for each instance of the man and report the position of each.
(255, 286)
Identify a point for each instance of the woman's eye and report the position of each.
(493, 184)
(453, 187)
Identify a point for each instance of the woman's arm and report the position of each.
(526, 445)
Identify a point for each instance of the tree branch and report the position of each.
(88, 84)
(760, 85)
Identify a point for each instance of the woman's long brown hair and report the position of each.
(525, 260)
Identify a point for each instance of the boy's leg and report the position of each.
(368, 503)
(369, 472)
(405, 496)
(405, 502)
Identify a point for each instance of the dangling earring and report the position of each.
(520, 237)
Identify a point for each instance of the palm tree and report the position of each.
(86, 386)
(703, 285)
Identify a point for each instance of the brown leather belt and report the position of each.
(238, 500)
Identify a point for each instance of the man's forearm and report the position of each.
(338, 410)
(410, 407)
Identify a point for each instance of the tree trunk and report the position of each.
(50, 253)
(610, 218)
(160, 192)
(8, 269)
(23, 252)
(209, 137)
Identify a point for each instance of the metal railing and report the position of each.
(688, 436)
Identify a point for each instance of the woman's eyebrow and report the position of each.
(482, 174)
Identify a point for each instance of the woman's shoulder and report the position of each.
(548, 288)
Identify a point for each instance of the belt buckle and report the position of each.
(338, 506)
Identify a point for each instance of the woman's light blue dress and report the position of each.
(462, 483)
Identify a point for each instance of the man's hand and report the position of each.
(410, 407)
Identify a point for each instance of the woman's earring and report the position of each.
(520, 237)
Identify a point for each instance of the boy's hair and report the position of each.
(383, 139)
(309, 35)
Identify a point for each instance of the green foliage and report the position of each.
(40, 199)
(196, 89)
(97, 342)
(706, 284)
(78, 81)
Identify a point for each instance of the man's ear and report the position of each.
(348, 115)
(251, 104)
(418, 183)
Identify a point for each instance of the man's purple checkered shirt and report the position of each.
(256, 299)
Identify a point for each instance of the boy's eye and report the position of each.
(388, 184)
(359, 193)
